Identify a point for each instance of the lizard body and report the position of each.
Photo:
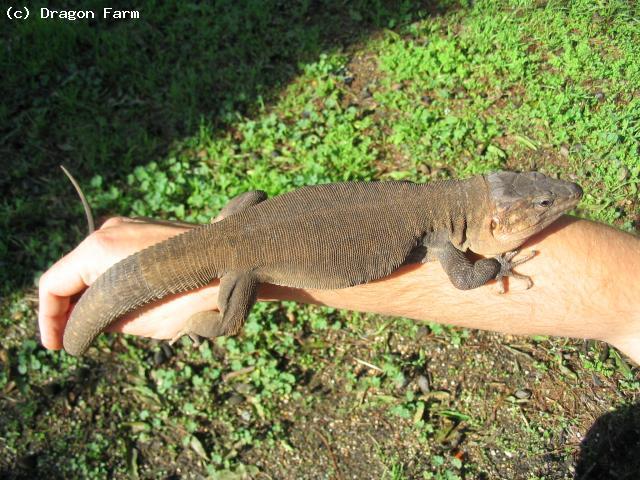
(327, 237)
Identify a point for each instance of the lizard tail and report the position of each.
(181, 263)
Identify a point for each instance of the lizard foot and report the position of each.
(199, 326)
(507, 266)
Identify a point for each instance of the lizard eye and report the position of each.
(544, 202)
(494, 223)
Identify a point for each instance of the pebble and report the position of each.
(423, 384)
(523, 394)
(623, 173)
(423, 331)
(402, 383)
(596, 380)
(235, 399)
(243, 388)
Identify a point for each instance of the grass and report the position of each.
(172, 115)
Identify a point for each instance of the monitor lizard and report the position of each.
(329, 236)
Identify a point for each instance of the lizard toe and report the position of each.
(507, 265)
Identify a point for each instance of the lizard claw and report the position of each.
(507, 265)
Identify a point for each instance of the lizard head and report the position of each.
(521, 205)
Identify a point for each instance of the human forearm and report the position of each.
(585, 285)
(584, 277)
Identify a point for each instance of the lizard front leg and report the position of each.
(466, 275)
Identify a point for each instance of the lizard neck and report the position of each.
(477, 210)
(457, 209)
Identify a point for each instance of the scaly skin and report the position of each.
(327, 237)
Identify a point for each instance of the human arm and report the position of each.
(585, 286)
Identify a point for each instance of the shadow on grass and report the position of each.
(103, 96)
(610, 448)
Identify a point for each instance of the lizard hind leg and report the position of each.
(211, 324)
(236, 297)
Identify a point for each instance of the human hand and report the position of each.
(119, 237)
